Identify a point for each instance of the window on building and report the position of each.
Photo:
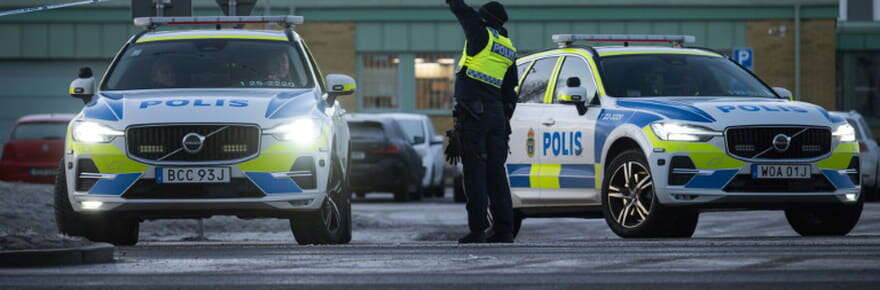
(379, 81)
(533, 87)
(859, 85)
(574, 67)
(435, 80)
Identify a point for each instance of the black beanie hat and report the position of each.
(494, 11)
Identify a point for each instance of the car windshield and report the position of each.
(413, 128)
(210, 63)
(40, 131)
(678, 75)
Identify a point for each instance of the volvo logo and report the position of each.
(781, 142)
(193, 143)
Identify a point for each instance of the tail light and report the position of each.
(390, 149)
(863, 147)
(7, 152)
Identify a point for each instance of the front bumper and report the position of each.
(101, 178)
(720, 181)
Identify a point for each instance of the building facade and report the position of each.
(403, 53)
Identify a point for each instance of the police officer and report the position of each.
(485, 100)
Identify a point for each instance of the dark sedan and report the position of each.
(383, 159)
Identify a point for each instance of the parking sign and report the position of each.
(744, 57)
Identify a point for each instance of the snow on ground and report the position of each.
(27, 220)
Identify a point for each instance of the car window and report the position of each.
(533, 87)
(413, 129)
(521, 70)
(366, 130)
(574, 67)
(210, 63)
(856, 126)
(868, 132)
(40, 131)
(431, 129)
(672, 75)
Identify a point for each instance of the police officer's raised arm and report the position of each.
(472, 23)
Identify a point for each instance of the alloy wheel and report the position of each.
(631, 194)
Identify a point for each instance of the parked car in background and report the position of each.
(869, 154)
(429, 146)
(383, 158)
(34, 148)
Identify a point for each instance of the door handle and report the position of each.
(549, 122)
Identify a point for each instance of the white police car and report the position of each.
(649, 137)
(192, 124)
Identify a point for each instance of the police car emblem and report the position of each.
(781, 142)
(530, 143)
(193, 143)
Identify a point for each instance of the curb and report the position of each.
(97, 253)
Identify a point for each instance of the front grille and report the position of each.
(164, 143)
(745, 183)
(757, 142)
(236, 188)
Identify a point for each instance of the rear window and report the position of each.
(366, 130)
(413, 129)
(40, 131)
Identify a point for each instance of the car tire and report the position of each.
(518, 218)
(638, 213)
(416, 194)
(824, 221)
(68, 221)
(458, 190)
(331, 224)
(118, 231)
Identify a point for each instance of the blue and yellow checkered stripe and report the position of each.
(552, 176)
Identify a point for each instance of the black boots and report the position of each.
(473, 238)
(500, 239)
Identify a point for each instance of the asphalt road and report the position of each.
(406, 246)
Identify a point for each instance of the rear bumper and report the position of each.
(24, 172)
(386, 175)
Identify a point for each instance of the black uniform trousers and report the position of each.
(485, 179)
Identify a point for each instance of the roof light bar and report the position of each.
(565, 40)
(213, 20)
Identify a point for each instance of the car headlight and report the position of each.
(91, 132)
(845, 132)
(683, 132)
(303, 131)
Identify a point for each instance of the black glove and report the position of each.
(454, 150)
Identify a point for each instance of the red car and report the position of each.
(34, 148)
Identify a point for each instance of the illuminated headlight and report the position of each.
(303, 131)
(683, 132)
(845, 132)
(91, 132)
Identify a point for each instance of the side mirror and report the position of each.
(418, 140)
(783, 92)
(437, 140)
(576, 95)
(339, 85)
(83, 87)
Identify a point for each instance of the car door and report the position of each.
(524, 161)
(436, 143)
(568, 136)
(415, 132)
